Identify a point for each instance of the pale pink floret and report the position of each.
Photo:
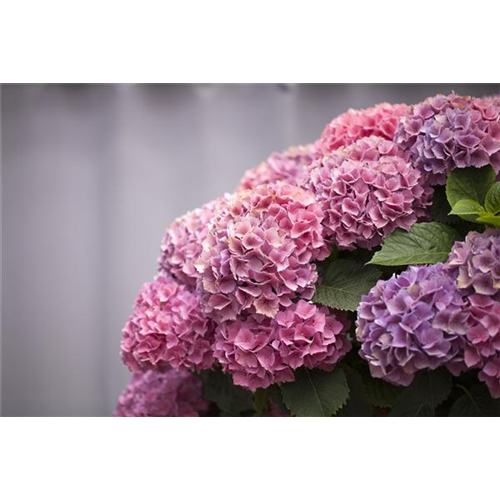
(260, 250)
(380, 120)
(167, 329)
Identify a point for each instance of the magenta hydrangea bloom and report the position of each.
(167, 329)
(259, 251)
(364, 201)
(172, 393)
(380, 120)
(490, 374)
(447, 132)
(259, 351)
(289, 167)
(410, 322)
(245, 349)
(475, 264)
(181, 245)
(312, 336)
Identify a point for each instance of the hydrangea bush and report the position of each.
(356, 276)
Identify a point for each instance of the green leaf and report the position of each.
(492, 202)
(440, 213)
(358, 404)
(345, 282)
(469, 183)
(260, 401)
(275, 396)
(424, 394)
(381, 393)
(231, 399)
(424, 243)
(467, 207)
(476, 402)
(440, 209)
(316, 393)
(492, 220)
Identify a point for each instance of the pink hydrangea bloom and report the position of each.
(245, 349)
(289, 167)
(181, 245)
(380, 120)
(312, 336)
(365, 200)
(167, 328)
(259, 351)
(447, 132)
(259, 251)
(172, 393)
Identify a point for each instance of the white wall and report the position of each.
(91, 177)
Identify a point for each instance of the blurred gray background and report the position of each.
(91, 176)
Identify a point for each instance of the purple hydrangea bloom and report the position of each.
(410, 322)
(380, 120)
(259, 351)
(447, 132)
(475, 264)
(181, 245)
(289, 167)
(167, 329)
(365, 200)
(259, 251)
(172, 393)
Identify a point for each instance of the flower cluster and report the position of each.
(172, 393)
(412, 321)
(167, 329)
(289, 167)
(380, 120)
(475, 264)
(259, 351)
(259, 251)
(366, 191)
(447, 132)
(181, 245)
